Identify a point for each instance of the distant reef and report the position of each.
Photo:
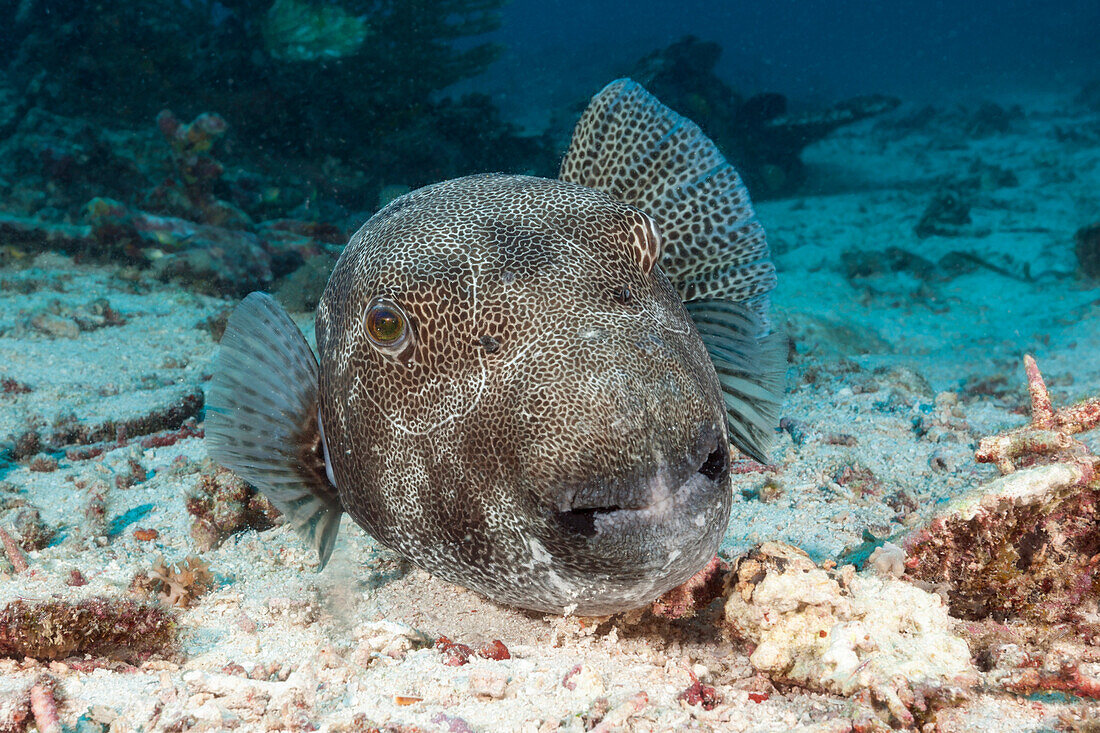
(348, 86)
(235, 145)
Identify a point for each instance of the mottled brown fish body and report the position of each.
(555, 396)
(526, 386)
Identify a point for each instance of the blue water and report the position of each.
(921, 50)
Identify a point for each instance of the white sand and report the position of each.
(271, 608)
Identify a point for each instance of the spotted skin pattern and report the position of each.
(552, 428)
(554, 437)
(668, 168)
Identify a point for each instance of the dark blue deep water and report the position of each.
(921, 49)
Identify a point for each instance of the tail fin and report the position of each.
(261, 418)
(639, 151)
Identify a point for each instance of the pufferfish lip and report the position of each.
(668, 489)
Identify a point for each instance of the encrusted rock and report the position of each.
(1023, 545)
(223, 504)
(840, 632)
(55, 629)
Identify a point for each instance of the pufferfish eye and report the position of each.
(387, 326)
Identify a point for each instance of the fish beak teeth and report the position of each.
(668, 489)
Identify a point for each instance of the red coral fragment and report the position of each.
(85, 452)
(700, 694)
(494, 649)
(699, 590)
(1067, 679)
(454, 655)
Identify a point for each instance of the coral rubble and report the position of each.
(835, 630)
(1026, 544)
(224, 504)
(55, 629)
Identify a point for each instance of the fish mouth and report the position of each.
(664, 493)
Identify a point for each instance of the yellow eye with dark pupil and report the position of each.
(385, 324)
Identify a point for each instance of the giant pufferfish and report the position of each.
(526, 386)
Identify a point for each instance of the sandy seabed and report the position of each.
(275, 645)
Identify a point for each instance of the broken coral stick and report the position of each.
(15, 555)
(44, 706)
(1048, 433)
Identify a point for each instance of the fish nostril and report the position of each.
(623, 295)
(583, 521)
(716, 464)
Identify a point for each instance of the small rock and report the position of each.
(494, 649)
(887, 559)
(488, 683)
(391, 638)
(55, 326)
(583, 680)
(1087, 249)
(947, 215)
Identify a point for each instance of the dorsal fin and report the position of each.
(639, 151)
(750, 370)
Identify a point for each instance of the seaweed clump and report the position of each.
(56, 629)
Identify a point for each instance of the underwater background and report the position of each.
(928, 175)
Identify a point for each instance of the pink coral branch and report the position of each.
(1042, 412)
(44, 706)
(1049, 432)
(15, 555)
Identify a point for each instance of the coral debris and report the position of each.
(178, 584)
(225, 504)
(57, 629)
(15, 555)
(849, 634)
(1047, 437)
(44, 705)
(1025, 545)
